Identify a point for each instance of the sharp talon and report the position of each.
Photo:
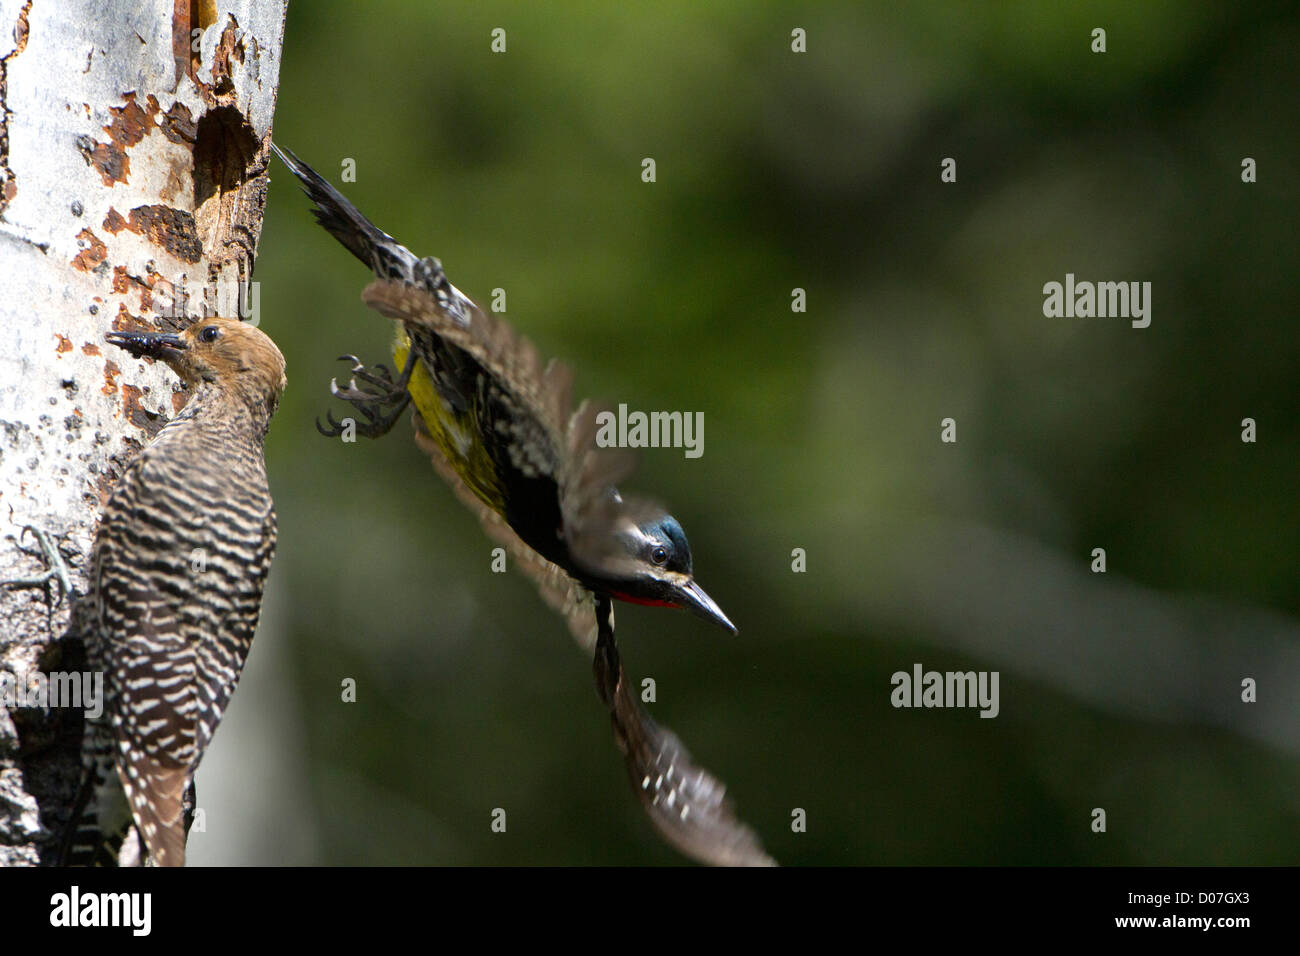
(381, 381)
(57, 571)
(376, 398)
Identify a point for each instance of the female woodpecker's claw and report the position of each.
(56, 571)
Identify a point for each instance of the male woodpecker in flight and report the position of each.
(179, 563)
(500, 429)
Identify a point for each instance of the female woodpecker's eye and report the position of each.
(659, 555)
(209, 334)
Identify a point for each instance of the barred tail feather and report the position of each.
(101, 818)
(157, 797)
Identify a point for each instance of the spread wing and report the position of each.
(527, 408)
(686, 803)
(560, 591)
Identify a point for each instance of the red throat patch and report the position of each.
(649, 602)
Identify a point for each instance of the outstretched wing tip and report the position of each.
(686, 803)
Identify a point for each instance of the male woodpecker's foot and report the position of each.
(380, 408)
(57, 569)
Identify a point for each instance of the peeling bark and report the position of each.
(133, 156)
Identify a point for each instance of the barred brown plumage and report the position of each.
(180, 561)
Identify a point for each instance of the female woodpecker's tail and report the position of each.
(100, 817)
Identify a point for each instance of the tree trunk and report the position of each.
(134, 137)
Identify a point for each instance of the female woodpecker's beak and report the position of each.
(693, 598)
(148, 344)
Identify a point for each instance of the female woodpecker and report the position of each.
(179, 562)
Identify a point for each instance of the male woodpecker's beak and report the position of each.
(693, 598)
(148, 344)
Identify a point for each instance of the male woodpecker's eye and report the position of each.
(659, 555)
(209, 334)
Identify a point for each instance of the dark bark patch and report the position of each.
(113, 222)
(130, 123)
(8, 182)
(111, 374)
(109, 158)
(93, 254)
(181, 38)
(124, 282)
(137, 414)
(230, 50)
(178, 125)
(171, 229)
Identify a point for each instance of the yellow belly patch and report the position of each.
(455, 435)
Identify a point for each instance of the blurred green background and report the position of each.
(820, 170)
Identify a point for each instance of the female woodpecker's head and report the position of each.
(238, 358)
(657, 569)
